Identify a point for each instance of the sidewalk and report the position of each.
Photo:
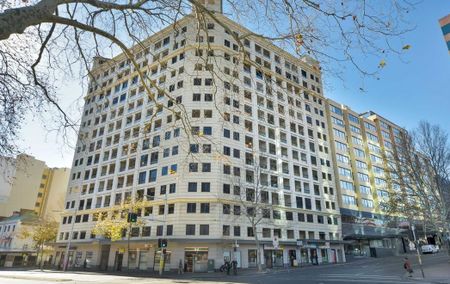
(439, 273)
(59, 276)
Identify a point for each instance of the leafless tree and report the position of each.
(43, 40)
(420, 172)
(251, 195)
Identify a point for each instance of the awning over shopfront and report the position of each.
(369, 232)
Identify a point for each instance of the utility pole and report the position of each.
(162, 257)
(417, 249)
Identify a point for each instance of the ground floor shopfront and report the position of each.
(18, 258)
(374, 241)
(194, 256)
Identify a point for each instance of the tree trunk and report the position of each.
(37, 256)
(258, 250)
(42, 256)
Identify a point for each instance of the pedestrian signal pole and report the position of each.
(131, 218)
(417, 249)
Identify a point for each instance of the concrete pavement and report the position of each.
(382, 271)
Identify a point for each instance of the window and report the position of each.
(337, 121)
(355, 129)
(225, 230)
(266, 233)
(194, 148)
(191, 208)
(289, 216)
(341, 146)
(206, 167)
(346, 185)
(308, 203)
(204, 207)
(146, 231)
(207, 130)
(361, 165)
(207, 148)
(345, 172)
(367, 203)
(339, 133)
(363, 177)
(226, 188)
(152, 175)
(353, 118)
(206, 187)
(348, 200)
(301, 217)
(142, 177)
(193, 167)
(364, 189)
(192, 187)
(204, 230)
(169, 230)
(237, 231)
(370, 126)
(197, 81)
(357, 141)
(382, 193)
(359, 153)
(190, 230)
(196, 97)
(342, 158)
(250, 232)
(336, 110)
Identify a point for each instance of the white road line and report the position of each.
(361, 275)
(387, 281)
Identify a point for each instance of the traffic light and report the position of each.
(164, 251)
(162, 243)
(132, 218)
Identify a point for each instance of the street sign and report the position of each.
(299, 243)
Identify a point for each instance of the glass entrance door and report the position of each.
(196, 259)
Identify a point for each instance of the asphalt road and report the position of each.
(373, 271)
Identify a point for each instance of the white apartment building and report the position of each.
(15, 248)
(268, 109)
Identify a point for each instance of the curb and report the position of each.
(35, 278)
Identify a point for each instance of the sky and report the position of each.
(407, 92)
(413, 88)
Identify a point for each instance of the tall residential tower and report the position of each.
(362, 144)
(266, 110)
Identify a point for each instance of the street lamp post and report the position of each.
(162, 257)
(66, 254)
(417, 249)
